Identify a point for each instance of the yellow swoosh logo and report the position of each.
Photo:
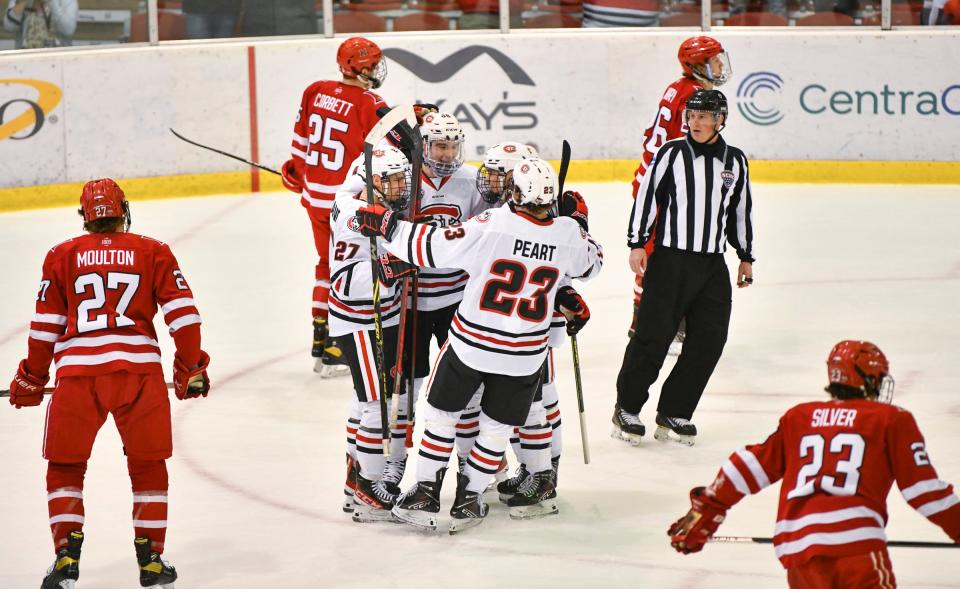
(49, 96)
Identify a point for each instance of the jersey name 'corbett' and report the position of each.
(341, 107)
(532, 249)
(105, 258)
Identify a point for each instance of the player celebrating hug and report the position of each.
(837, 459)
(94, 317)
(515, 258)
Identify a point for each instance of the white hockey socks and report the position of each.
(437, 443)
(487, 452)
(468, 426)
(370, 442)
(398, 434)
(353, 423)
(535, 436)
(551, 403)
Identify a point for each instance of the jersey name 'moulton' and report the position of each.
(105, 258)
(531, 249)
(335, 105)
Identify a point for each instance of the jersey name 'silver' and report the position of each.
(449, 200)
(515, 264)
(351, 284)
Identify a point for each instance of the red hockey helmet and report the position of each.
(860, 365)
(694, 55)
(103, 199)
(951, 12)
(358, 53)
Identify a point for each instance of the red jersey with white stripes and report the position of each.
(98, 296)
(333, 120)
(667, 124)
(515, 263)
(838, 460)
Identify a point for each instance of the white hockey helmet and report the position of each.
(394, 171)
(500, 160)
(443, 130)
(533, 183)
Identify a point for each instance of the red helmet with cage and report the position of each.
(951, 12)
(860, 365)
(694, 55)
(103, 199)
(358, 53)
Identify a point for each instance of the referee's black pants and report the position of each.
(677, 284)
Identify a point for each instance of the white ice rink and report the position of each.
(257, 471)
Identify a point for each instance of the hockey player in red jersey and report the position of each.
(94, 318)
(333, 120)
(705, 66)
(515, 258)
(838, 460)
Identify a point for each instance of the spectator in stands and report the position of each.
(621, 13)
(279, 17)
(485, 14)
(779, 7)
(41, 23)
(211, 19)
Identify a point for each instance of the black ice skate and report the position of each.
(65, 570)
(420, 505)
(536, 498)
(154, 571)
(319, 336)
(675, 429)
(508, 488)
(330, 361)
(393, 474)
(627, 427)
(468, 508)
(350, 485)
(556, 471)
(372, 501)
(676, 346)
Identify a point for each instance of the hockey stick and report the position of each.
(891, 543)
(561, 178)
(376, 134)
(229, 155)
(49, 390)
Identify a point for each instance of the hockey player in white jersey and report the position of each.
(515, 258)
(352, 322)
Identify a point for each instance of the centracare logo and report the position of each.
(27, 115)
(759, 97)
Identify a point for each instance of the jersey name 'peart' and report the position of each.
(532, 249)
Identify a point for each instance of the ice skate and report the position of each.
(676, 346)
(627, 427)
(555, 462)
(420, 505)
(508, 488)
(393, 474)
(330, 361)
(65, 570)
(633, 321)
(154, 571)
(536, 498)
(468, 508)
(350, 485)
(675, 429)
(372, 501)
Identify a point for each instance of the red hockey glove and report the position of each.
(393, 269)
(423, 109)
(26, 390)
(374, 220)
(571, 204)
(574, 308)
(690, 532)
(290, 178)
(189, 383)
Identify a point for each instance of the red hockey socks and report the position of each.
(65, 499)
(149, 481)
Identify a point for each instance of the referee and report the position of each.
(696, 194)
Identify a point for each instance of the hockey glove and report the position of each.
(574, 308)
(393, 269)
(189, 383)
(689, 533)
(423, 109)
(26, 390)
(374, 220)
(290, 177)
(572, 204)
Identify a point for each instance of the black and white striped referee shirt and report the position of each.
(702, 193)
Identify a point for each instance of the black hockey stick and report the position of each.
(229, 155)
(891, 543)
(49, 390)
(376, 134)
(561, 177)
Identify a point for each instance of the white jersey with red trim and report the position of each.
(449, 200)
(515, 263)
(838, 460)
(351, 284)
